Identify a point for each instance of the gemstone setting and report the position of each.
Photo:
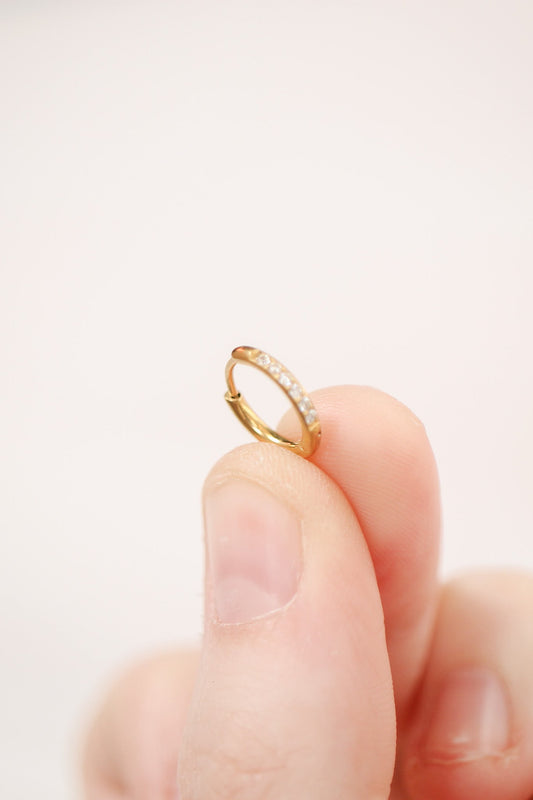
(290, 385)
(295, 391)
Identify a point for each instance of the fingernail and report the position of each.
(470, 719)
(254, 551)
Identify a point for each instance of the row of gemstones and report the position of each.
(291, 386)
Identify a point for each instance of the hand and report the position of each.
(321, 596)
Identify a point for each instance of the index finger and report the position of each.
(378, 453)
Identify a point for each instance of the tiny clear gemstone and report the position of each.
(274, 369)
(295, 391)
(263, 360)
(285, 380)
(304, 404)
(309, 418)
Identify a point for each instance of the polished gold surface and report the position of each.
(293, 389)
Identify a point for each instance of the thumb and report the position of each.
(294, 695)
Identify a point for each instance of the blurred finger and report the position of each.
(472, 731)
(131, 749)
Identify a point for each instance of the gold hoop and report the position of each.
(292, 388)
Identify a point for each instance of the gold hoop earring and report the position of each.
(275, 370)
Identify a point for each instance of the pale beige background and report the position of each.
(346, 184)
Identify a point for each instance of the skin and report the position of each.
(373, 682)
